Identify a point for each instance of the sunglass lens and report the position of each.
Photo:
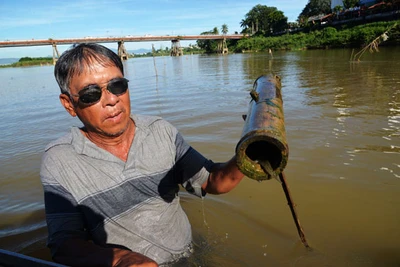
(91, 95)
(118, 86)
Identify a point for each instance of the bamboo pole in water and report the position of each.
(154, 59)
(262, 152)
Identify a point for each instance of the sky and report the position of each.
(57, 19)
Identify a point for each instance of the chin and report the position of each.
(116, 132)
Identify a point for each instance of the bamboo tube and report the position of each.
(262, 152)
(263, 137)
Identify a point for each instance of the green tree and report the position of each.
(350, 3)
(314, 8)
(337, 9)
(224, 29)
(293, 25)
(278, 21)
(264, 20)
(209, 46)
(302, 20)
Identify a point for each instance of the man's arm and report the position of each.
(223, 177)
(78, 252)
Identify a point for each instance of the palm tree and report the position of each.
(224, 29)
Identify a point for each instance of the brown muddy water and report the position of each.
(343, 130)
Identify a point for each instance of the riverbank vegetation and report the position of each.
(28, 61)
(190, 50)
(353, 25)
(328, 37)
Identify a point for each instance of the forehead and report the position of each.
(95, 72)
(90, 65)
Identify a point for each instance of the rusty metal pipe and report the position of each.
(263, 138)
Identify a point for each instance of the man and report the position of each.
(111, 187)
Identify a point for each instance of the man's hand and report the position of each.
(126, 258)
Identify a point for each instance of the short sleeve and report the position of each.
(192, 169)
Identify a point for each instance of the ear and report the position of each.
(68, 105)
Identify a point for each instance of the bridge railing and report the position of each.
(50, 41)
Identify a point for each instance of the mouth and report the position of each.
(115, 116)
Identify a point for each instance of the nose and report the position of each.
(108, 98)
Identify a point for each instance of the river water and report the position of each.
(343, 129)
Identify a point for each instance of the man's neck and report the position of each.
(117, 145)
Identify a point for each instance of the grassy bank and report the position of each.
(329, 37)
(28, 61)
(167, 52)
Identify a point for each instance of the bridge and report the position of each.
(176, 50)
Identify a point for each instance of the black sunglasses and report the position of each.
(92, 93)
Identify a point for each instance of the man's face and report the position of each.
(110, 116)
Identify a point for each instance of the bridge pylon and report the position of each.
(122, 53)
(176, 49)
(222, 48)
(56, 55)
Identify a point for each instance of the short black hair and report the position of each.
(79, 57)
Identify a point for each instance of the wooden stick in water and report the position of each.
(292, 209)
(267, 168)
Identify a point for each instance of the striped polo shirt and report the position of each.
(93, 195)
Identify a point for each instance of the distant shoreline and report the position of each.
(28, 61)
